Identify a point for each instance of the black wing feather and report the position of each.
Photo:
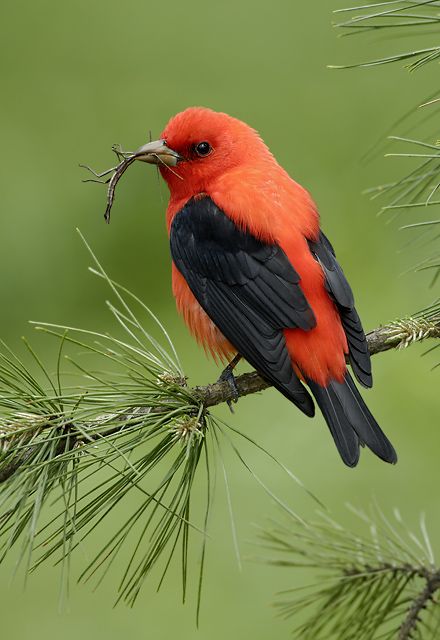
(338, 287)
(248, 288)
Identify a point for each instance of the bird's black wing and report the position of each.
(339, 289)
(248, 288)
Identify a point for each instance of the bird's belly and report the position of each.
(198, 322)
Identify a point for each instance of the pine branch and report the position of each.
(426, 597)
(131, 427)
(384, 585)
(395, 335)
(60, 438)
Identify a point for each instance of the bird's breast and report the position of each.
(198, 322)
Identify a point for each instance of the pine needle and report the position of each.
(127, 432)
(380, 583)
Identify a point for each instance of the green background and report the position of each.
(77, 77)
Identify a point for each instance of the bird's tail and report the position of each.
(350, 421)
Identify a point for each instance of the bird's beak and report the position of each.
(157, 152)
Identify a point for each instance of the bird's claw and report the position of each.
(227, 375)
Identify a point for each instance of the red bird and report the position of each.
(254, 275)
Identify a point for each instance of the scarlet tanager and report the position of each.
(254, 276)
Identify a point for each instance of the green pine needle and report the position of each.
(408, 16)
(414, 194)
(403, 14)
(120, 451)
(418, 188)
(382, 583)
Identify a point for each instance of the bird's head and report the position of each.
(199, 145)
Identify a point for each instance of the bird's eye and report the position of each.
(203, 149)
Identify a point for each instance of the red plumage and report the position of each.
(244, 182)
(248, 184)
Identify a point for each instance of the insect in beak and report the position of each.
(155, 152)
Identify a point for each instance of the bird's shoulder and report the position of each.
(219, 259)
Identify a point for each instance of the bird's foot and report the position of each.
(227, 375)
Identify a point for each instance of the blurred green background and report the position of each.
(77, 77)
